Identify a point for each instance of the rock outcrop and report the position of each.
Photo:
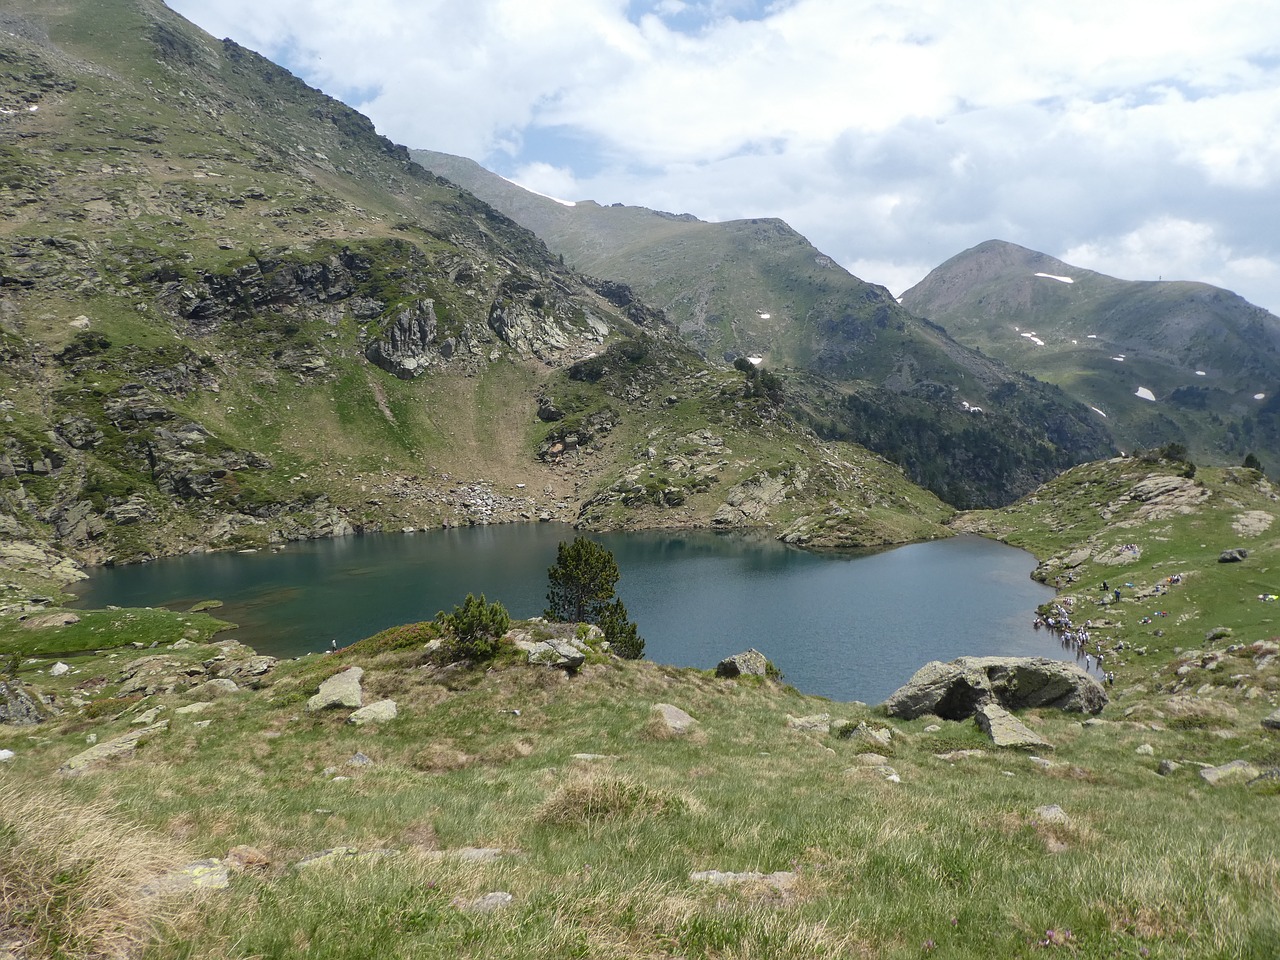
(955, 690)
(20, 707)
(751, 663)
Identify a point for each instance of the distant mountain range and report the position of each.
(1163, 361)
(861, 367)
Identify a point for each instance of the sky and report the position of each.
(1137, 138)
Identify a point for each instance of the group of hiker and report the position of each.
(1058, 619)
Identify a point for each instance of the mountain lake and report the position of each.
(849, 626)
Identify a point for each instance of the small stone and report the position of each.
(951, 756)
(6, 756)
(147, 716)
(1166, 767)
(59, 669)
(932, 728)
(358, 759)
(594, 757)
(200, 875)
(199, 706)
(671, 720)
(1145, 750)
(815, 723)
(1052, 813)
(1272, 721)
(489, 903)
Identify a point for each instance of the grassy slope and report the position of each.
(954, 861)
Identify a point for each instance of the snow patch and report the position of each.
(1259, 396)
(1097, 411)
(1144, 393)
(1054, 276)
(755, 361)
(764, 316)
(970, 407)
(545, 196)
(1034, 339)
(1119, 359)
(1093, 336)
(1200, 373)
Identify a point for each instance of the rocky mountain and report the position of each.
(233, 314)
(1163, 361)
(863, 367)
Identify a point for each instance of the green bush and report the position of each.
(621, 634)
(475, 628)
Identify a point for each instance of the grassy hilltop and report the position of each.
(519, 811)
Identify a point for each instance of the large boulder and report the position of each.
(340, 690)
(751, 663)
(955, 690)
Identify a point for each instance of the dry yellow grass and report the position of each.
(71, 877)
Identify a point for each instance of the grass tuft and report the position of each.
(596, 798)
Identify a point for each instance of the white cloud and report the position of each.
(1143, 136)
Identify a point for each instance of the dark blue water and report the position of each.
(846, 626)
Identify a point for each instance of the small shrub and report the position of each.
(476, 628)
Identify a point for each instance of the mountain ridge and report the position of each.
(1201, 352)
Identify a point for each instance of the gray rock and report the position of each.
(955, 690)
(553, 653)
(358, 759)
(216, 688)
(468, 854)
(1052, 813)
(815, 723)
(1237, 771)
(781, 880)
(871, 760)
(1234, 555)
(489, 903)
(19, 706)
(1167, 767)
(1272, 720)
(341, 854)
(880, 736)
(200, 875)
(200, 706)
(751, 663)
(110, 749)
(379, 712)
(1006, 730)
(671, 719)
(952, 756)
(340, 690)
(1145, 750)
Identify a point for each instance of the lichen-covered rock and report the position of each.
(751, 663)
(379, 712)
(109, 750)
(955, 690)
(1006, 730)
(340, 690)
(19, 706)
(671, 720)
